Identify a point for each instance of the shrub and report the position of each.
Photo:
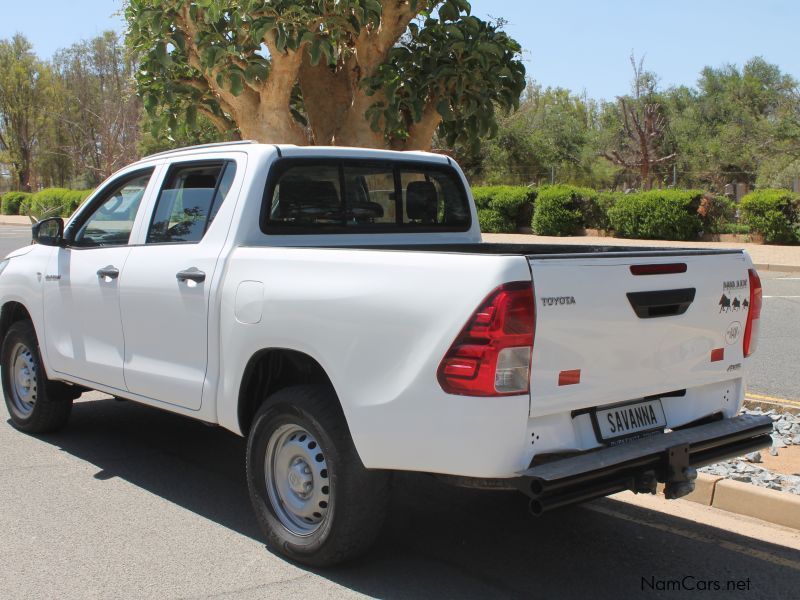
(13, 201)
(493, 221)
(732, 228)
(657, 214)
(514, 203)
(559, 209)
(775, 214)
(595, 211)
(48, 202)
(53, 202)
(72, 200)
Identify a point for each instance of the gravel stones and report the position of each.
(786, 432)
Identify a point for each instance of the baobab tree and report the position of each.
(375, 73)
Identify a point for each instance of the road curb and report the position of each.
(14, 220)
(783, 268)
(781, 508)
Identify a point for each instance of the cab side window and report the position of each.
(112, 221)
(189, 200)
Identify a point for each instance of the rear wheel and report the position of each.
(35, 404)
(315, 501)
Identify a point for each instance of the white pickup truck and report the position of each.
(338, 307)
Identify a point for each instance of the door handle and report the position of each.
(191, 274)
(109, 272)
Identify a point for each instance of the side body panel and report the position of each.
(379, 323)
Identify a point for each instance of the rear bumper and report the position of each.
(669, 458)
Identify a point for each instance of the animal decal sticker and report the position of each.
(730, 301)
(724, 303)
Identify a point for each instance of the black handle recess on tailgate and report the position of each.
(662, 303)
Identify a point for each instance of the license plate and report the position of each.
(630, 419)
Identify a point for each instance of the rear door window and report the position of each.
(189, 200)
(351, 196)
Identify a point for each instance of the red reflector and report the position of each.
(569, 377)
(460, 367)
(717, 354)
(665, 269)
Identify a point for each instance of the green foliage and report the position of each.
(209, 57)
(513, 204)
(551, 130)
(595, 210)
(26, 103)
(13, 201)
(657, 215)
(740, 124)
(72, 200)
(467, 66)
(560, 208)
(51, 202)
(493, 221)
(775, 214)
(738, 228)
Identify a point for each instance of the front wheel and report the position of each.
(35, 404)
(314, 500)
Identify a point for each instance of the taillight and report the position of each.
(492, 354)
(753, 314)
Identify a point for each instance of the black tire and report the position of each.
(52, 403)
(357, 504)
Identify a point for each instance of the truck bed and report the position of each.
(543, 251)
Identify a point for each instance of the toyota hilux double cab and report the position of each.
(338, 307)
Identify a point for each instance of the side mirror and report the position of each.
(49, 232)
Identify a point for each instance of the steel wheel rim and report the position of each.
(297, 479)
(23, 380)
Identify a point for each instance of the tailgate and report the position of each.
(605, 335)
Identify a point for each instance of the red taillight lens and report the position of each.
(492, 354)
(753, 314)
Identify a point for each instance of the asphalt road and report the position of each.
(132, 502)
(775, 369)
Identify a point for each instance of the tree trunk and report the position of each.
(23, 169)
(421, 134)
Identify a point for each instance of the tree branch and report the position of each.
(373, 45)
(223, 124)
(184, 21)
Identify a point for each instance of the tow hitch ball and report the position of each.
(680, 476)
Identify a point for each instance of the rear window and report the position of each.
(353, 196)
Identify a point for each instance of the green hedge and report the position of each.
(12, 202)
(52, 202)
(658, 215)
(560, 209)
(503, 208)
(73, 200)
(492, 221)
(775, 214)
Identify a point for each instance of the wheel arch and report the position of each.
(12, 312)
(271, 369)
